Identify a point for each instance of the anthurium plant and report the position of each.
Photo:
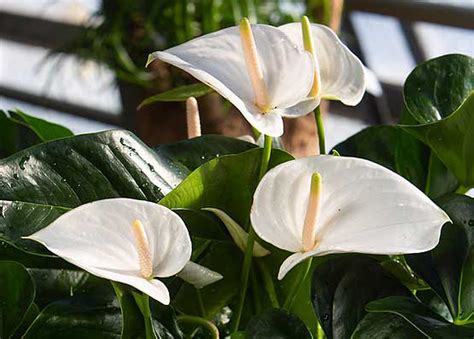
(103, 236)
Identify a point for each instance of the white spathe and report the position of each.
(341, 73)
(98, 238)
(365, 208)
(217, 59)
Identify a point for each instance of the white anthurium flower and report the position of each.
(124, 240)
(256, 67)
(238, 234)
(339, 74)
(325, 204)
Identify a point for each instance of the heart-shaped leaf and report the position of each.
(448, 268)
(341, 288)
(438, 95)
(17, 293)
(276, 324)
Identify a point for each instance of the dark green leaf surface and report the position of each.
(341, 288)
(178, 94)
(7, 135)
(17, 293)
(448, 268)
(192, 153)
(133, 325)
(436, 88)
(40, 183)
(390, 147)
(385, 326)
(438, 95)
(45, 130)
(421, 317)
(276, 324)
(77, 319)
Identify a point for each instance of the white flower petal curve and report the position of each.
(152, 287)
(291, 262)
(366, 208)
(98, 238)
(198, 275)
(342, 74)
(217, 60)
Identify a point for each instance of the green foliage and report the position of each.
(178, 94)
(17, 293)
(448, 268)
(277, 323)
(413, 296)
(439, 96)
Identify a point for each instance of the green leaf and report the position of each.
(226, 183)
(385, 326)
(40, 183)
(438, 95)
(7, 135)
(58, 284)
(420, 317)
(224, 258)
(392, 148)
(45, 130)
(77, 318)
(178, 94)
(30, 316)
(19, 130)
(17, 293)
(341, 288)
(133, 325)
(448, 268)
(192, 153)
(276, 324)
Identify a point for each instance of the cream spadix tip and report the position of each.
(143, 249)
(192, 118)
(309, 46)
(312, 212)
(254, 68)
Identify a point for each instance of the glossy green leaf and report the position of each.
(57, 284)
(385, 326)
(448, 268)
(341, 288)
(438, 95)
(45, 130)
(226, 183)
(276, 324)
(192, 153)
(178, 94)
(40, 183)
(17, 293)
(421, 317)
(77, 318)
(19, 130)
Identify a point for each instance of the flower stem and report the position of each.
(143, 304)
(297, 284)
(267, 149)
(202, 310)
(213, 330)
(319, 124)
(268, 284)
